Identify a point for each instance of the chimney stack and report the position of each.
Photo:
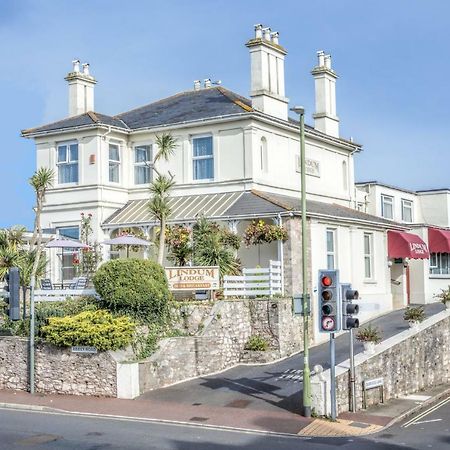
(325, 118)
(197, 85)
(207, 83)
(267, 73)
(81, 89)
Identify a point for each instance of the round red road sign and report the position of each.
(328, 323)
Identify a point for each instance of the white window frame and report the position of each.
(113, 162)
(68, 252)
(197, 158)
(331, 253)
(68, 161)
(368, 256)
(411, 207)
(383, 201)
(437, 270)
(148, 163)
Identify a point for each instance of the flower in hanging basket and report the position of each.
(259, 232)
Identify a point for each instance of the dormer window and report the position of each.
(387, 207)
(67, 162)
(407, 210)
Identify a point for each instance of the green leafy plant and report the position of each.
(89, 258)
(257, 343)
(178, 240)
(414, 314)
(444, 296)
(369, 334)
(98, 329)
(212, 247)
(135, 287)
(259, 232)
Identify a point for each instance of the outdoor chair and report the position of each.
(46, 284)
(81, 283)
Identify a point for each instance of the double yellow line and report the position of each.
(426, 412)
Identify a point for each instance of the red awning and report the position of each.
(438, 240)
(406, 245)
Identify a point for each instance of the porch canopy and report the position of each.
(439, 240)
(406, 245)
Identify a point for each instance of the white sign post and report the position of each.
(193, 278)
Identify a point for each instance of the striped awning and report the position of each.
(184, 209)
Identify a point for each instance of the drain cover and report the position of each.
(199, 419)
(239, 404)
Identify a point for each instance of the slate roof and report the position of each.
(86, 119)
(183, 107)
(187, 208)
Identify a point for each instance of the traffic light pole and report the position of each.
(333, 376)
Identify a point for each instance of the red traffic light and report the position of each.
(327, 281)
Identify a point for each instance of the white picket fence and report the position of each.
(56, 295)
(252, 282)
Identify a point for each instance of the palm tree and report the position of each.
(41, 181)
(160, 189)
(160, 208)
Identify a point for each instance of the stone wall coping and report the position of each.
(360, 358)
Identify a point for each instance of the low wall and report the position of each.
(220, 344)
(57, 371)
(407, 362)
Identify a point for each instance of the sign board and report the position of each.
(193, 278)
(83, 349)
(297, 304)
(372, 384)
(312, 167)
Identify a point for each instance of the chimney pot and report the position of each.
(85, 68)
(207, 82)
(321, 58)
(258, 31)
(76, 65)
(197, 85)
(328, 61)
(275, 35)
(266, 34)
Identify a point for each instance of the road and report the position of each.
(275, 385)
(43, 430)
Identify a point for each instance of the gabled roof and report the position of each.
(183, 107)
(229, 205)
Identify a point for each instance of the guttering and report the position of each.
(72, 129)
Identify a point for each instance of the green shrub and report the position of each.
(369, 334)
(414, 314)
(135, 287)
(256, 343)
(69, 307)
(98, 329)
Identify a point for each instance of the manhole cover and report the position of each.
(199, 419)
(239, 404)
(359, 425)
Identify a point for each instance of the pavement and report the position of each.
(259, 398)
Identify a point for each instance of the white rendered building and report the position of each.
(237, 160)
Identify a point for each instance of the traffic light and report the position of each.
(12, 298)
(349, 309)
(329, 301)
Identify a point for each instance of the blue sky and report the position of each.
(393, 59)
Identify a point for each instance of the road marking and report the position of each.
(417, 398)
(426, 421)
(426, 412)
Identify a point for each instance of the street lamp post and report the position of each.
(305, 296)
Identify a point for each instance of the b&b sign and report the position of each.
(193, 278)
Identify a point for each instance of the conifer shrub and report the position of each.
(99, 329)
(135, 287)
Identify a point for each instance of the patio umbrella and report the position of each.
(127, 240)
(65, 243)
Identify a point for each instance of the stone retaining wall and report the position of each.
(221, 343)
(408, 362)
(57, 371)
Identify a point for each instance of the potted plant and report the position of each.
(444, 297)
(414, 315)
(369, 336)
